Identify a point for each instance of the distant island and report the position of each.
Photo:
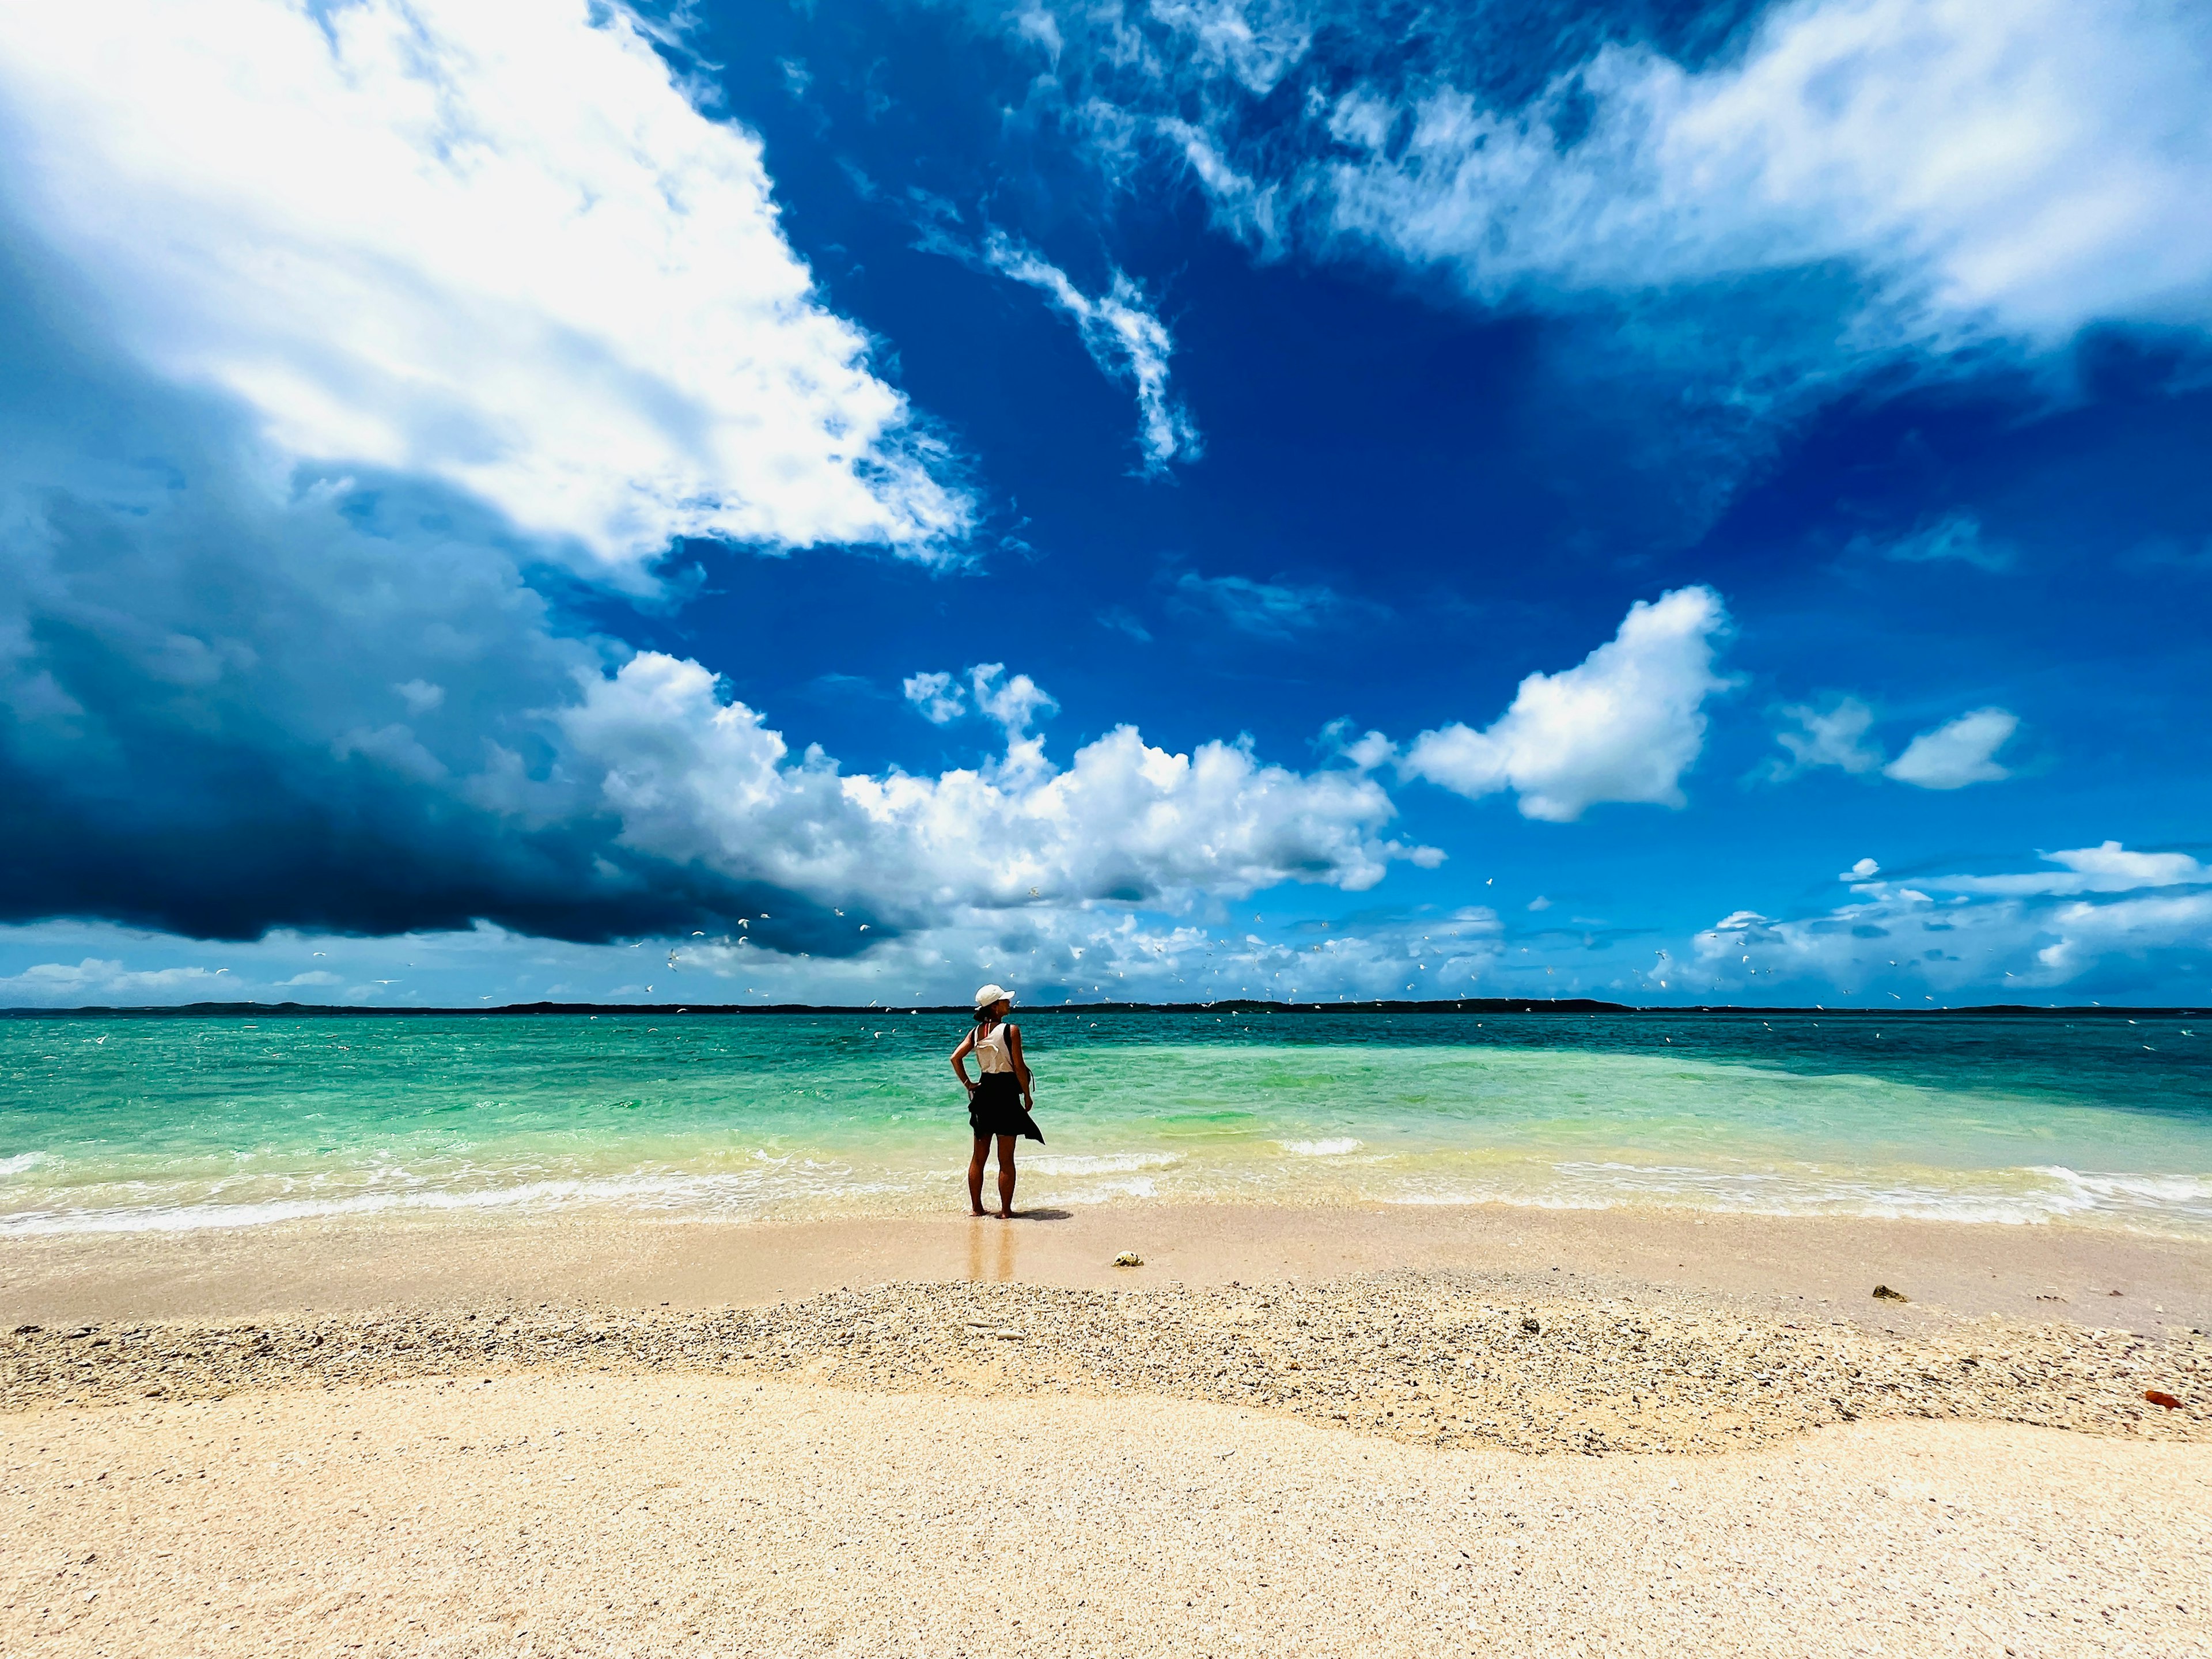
(1237, 1005)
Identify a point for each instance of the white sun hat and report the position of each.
(991, 994)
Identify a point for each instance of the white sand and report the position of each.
(658, 1514)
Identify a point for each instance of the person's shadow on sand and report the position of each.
(1044, 1215)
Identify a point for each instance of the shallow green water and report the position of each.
(133, 1123)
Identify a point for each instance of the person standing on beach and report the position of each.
(998, 1105)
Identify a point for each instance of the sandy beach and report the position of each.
(1286, 1432)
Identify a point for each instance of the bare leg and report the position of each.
(1005, 1176)
(975, 1175)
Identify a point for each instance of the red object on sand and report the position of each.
(2160, 1397)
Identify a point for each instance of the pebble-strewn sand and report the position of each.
(641, 1514)
(1518, 1361)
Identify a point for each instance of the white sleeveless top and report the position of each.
(991, 1053)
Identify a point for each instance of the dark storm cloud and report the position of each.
(233, 699)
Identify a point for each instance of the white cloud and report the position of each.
(1090, 956)
(1993, 937)
(49, 984)
(2109, 868)
(1016, 704)
(1957, 753)
(1849, 179)
(937, 696)
(1273, 611)
(2022, 169)
(1832, 736)
(1622, 725)
(693, 778)
(1124, 336)
(1364, 753)
(487, 240)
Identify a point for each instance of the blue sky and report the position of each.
(772, 503)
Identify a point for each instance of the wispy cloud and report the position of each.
(1123, 335)
(1956, 536)
(2017, 171)
(1123, 620)
(1273, 611)
(1831, 734)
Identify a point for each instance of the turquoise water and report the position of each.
(116, 1124)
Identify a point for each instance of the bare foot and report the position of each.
(979, 1210)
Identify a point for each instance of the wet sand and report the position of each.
(349, 1265)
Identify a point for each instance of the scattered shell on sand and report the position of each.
(1441, 1359)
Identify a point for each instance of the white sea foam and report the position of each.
(2158, 1203)
(1106, 1191)
(1081, 1164)
(1335, 1148)
(749, 1194)
(21, 1163)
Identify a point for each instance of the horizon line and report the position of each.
(1380, 1005)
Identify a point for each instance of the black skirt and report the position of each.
(995, 1107)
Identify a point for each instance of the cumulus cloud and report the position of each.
(937, 696)
(696, 780)
(1016, 704)
(1623, 725)
(1957, 753)
(1833, 735)
(234, 697)
(2104, 908)
(1124, 337)
(491, 244)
